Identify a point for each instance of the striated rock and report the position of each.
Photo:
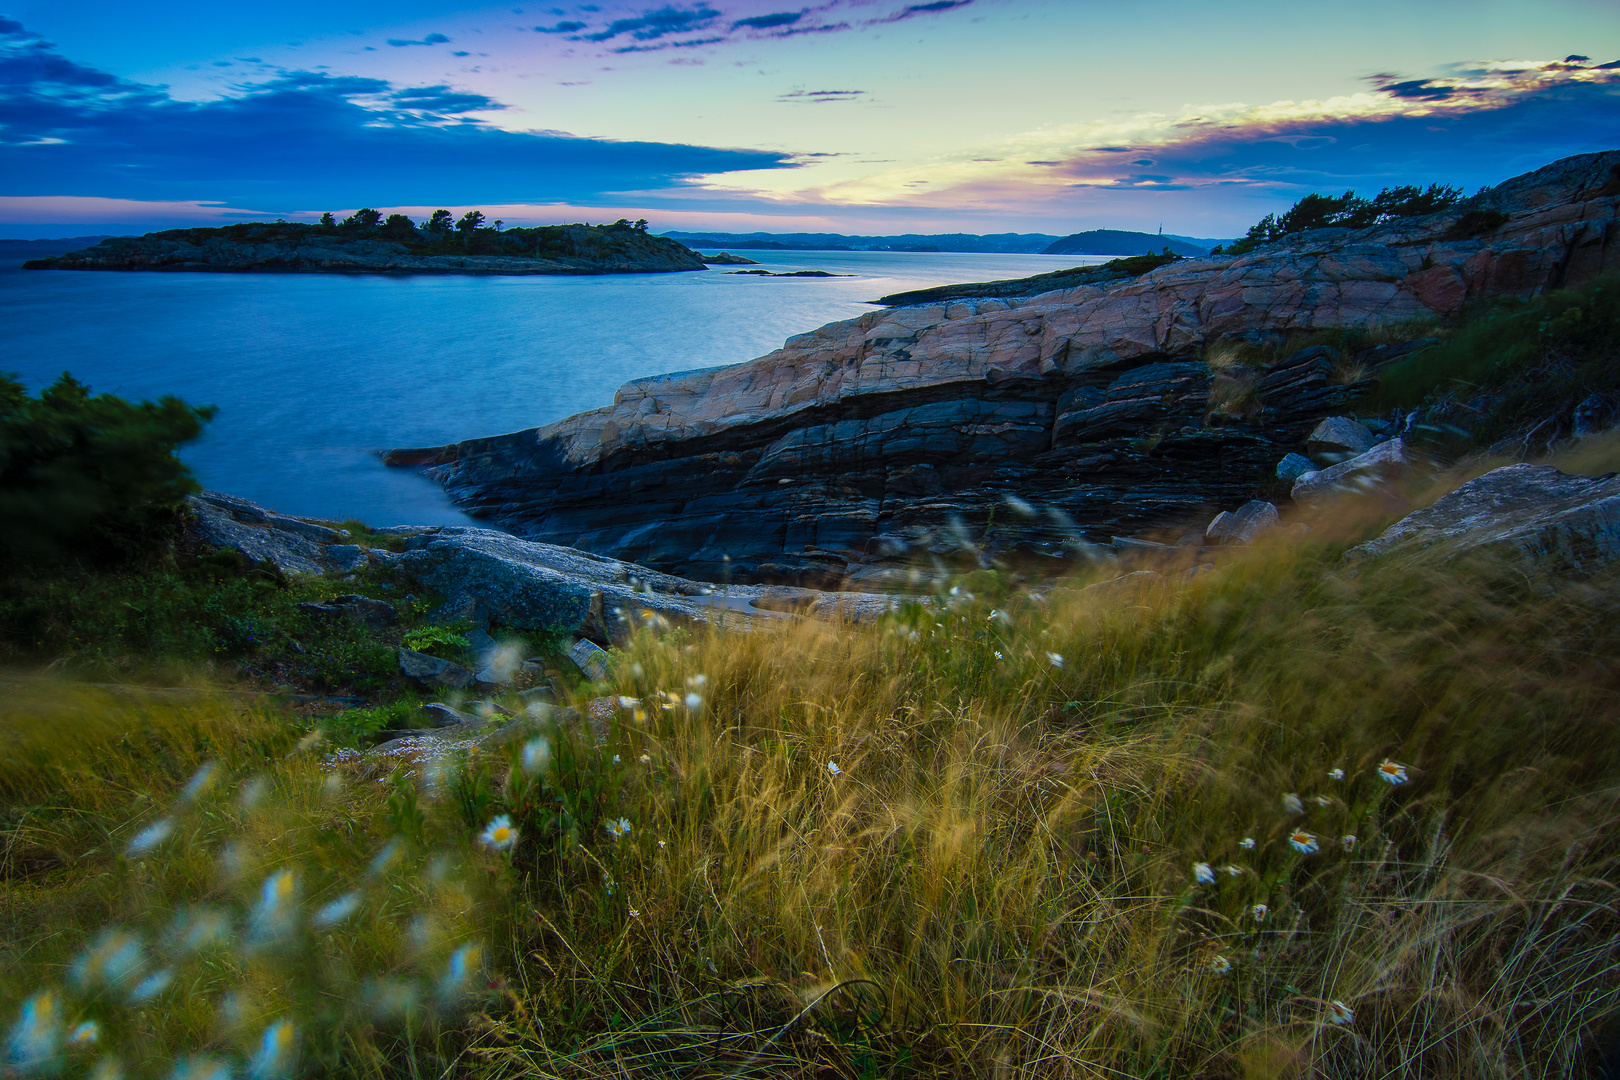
(1086, 403)
(1384, 462)
(1338, 438)
(1241, 526)
(291, 554)
(310, 530)
(432, 672)
(1533, 515)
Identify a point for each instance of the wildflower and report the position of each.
(1303, 842)
(85, 1034)
(273, 915)
(1055, 659)
(1348, 842)
(645, 760)
(1323, 800)
(33, 1039)
(694, 702)
(500, 834)
(615, 759)
(338, 910)
(200, 782)
(1292, 804)
(201, 1068)
(634, 914)
(150, 837)
(1202, 874)
(618, 829)
(833, 769)
(536, 754)
(660, 845)
(1340, 1013)
(1260, 911)
(274, 1058)
(1247, 843)
(114, 959)
(153, 985)
(1220, 965)
(1232, 871)
(998, 655)
(385, 858)
(1392, 773)
(1335, 774)
(696, 681)
(464, 963)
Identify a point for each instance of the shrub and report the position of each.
(89, 474)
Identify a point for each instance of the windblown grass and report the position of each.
(963, 842)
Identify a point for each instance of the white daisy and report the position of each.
(1292, 804)
(1220, 965)
(1247, 843)
(1340, 1013)
(1303, 842)
(1392, 773)
(1203, 874)
(1335, 774)
(500, 834)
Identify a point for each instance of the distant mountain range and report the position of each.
(14, 253)
(1095, 242)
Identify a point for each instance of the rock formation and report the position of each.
(1017, 426)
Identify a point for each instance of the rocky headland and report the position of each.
(1019, 426)
(399, 248)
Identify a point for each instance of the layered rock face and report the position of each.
(1017, 425)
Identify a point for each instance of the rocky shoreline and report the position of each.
(1026, 427)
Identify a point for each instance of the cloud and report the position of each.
(431, 39)
(816, 97)
(567, 26)
(304, 139)
(652, 25)
(769, 22)
(920, 9)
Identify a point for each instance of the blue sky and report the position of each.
(843, 115)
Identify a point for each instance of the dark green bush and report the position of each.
(89, 475)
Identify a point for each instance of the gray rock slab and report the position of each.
(1365, 472)
(1338, 438)
(1241, 526)
(321, 534)
(1533, 514)
(239, 508)
(440, 715)
(590, 658)
(432, 671)
(292, 554)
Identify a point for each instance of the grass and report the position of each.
(961, 842)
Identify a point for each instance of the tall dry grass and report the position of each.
(965, 842)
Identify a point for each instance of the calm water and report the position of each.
(313, 374)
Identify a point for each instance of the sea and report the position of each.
(314, 374)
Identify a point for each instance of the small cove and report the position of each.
(314, 373)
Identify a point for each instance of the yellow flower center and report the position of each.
(500, 835)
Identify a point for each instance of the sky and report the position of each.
(855, 116)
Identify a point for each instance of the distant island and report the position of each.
(366, 243)
(1094, 242)
(1119, 242)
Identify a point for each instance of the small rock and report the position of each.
(1243, 525)
(432, 671)
(590, 658)
(321, 534)
(442, 715)
(1293, 466)
(362, 609)
(1338, 438)
(543, 694)
(1383, 462)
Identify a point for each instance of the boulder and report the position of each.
(346, 558)
(1338, 438)
(291, 554)
(432, 672)
(1365, 472)
(1533, 515)
(440, 715)
(1593, 416)
(1241, 526)
(1293, 466)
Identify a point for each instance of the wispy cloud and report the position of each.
(302, 139)
(818, 97)
(431, 39)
